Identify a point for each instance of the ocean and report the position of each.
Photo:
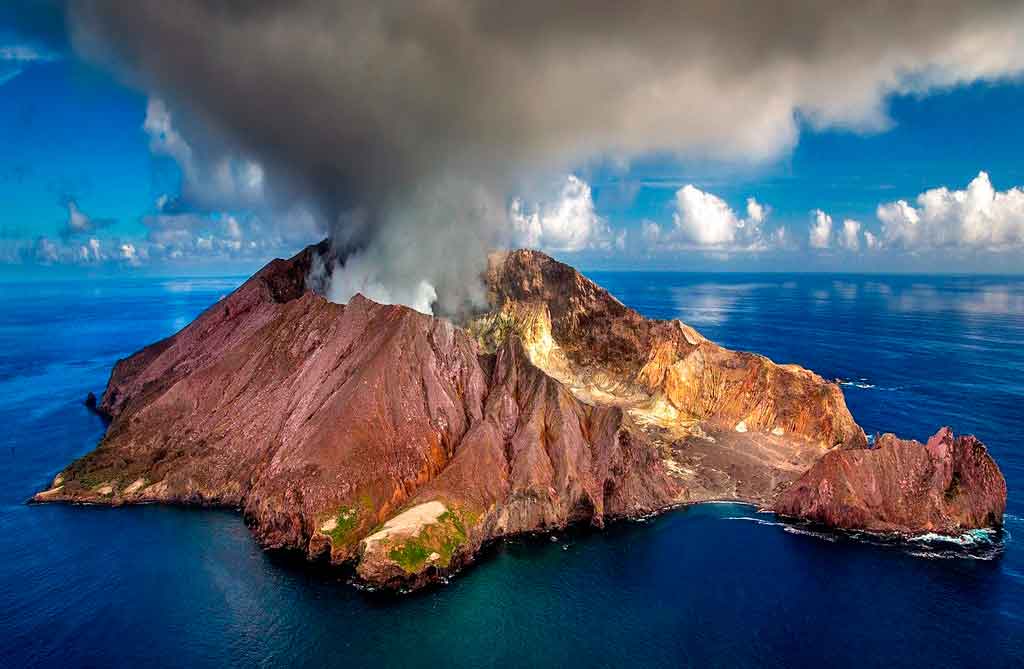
(715, 585)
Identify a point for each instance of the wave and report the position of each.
(863, 385)
(980, 544)
(802, 531)
(968, 538)
(759, 521)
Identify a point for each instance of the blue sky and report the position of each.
(77, 166)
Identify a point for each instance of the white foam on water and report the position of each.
(792, 529)
(857, 384)
(759, 521)
(969, 538)
(980, 544)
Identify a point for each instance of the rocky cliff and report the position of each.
(945, 486)
(375, 435)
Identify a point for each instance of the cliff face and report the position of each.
(589, 340)
(377, 435)
(945, 486)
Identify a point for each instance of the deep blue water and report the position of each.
(713, 585)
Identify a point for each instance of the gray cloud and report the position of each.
(409, 125)
(79, 223)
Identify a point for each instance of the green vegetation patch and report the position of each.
(92, 479)
(347, 521)
(442, 537)
(491, 330)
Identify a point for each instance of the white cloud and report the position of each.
(568, 224)
(23, 53)
(50, 252)
(849, 235)
(779, 238)
(820, 235)
(650, 232)
(92, 251)
(978, 217)
(704, 218)
(169, 236)
(15, 58)
(129, 254)
(46, 251)
(756, 211)
(8, 73)
(705, 221)
(232, 228)
(189, 234)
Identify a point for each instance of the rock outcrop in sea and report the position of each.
(944, 486)
(377, 436)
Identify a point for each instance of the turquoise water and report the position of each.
(713, 585)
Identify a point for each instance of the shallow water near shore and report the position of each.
(707, 585)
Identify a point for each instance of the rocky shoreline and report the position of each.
(398, 443)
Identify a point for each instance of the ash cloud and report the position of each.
(409, 126)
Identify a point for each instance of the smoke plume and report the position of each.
(408, 126)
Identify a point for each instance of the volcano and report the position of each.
(399, 443)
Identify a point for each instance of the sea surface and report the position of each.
(712, 585)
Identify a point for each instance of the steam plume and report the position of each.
(408, 125)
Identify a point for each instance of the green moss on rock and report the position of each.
(442, 538)
(347, 521)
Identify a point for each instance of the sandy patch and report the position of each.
(156, 490)
(50, 493)
(105, 489)
(135, 487)
(409, 522)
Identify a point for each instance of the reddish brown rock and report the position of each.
(945, 486)
(376, 435)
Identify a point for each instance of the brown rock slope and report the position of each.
(377, 435)
(944, 486)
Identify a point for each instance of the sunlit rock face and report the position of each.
(382, 437)
(947, 485)
(607, 353)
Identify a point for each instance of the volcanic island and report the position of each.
(399, 444)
